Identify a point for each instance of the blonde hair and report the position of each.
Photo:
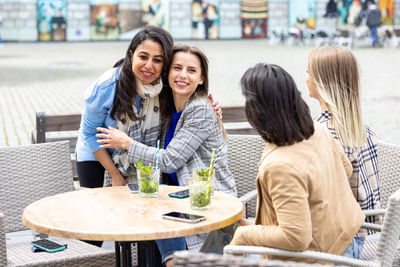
(334, 72)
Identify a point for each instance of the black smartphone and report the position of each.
(48, 245)
(183, 217)
(180, 194)
(133, 187)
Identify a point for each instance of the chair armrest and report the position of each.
(249, 196)
(230, 249)
(374, 212)
(372, 226)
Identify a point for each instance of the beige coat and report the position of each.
(304, 198)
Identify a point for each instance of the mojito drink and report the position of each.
(148, 181)
(207, 175)
(200, 194)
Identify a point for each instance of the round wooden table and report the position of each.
(115, 214)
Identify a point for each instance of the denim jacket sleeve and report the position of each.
(99, 99)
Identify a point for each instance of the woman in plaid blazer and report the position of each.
(191, 131)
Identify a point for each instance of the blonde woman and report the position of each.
(333, 80)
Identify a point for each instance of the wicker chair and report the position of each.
(187, 259)
(29, 173)
(3, 251)
(244, 153)
(385, 252)
(389, 172)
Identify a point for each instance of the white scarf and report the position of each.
(149, 111)
(149, 115)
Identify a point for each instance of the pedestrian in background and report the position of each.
(373, 22)
(1, 20)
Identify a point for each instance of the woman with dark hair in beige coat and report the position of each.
(304, 198)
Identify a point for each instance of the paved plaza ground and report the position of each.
(52, 77)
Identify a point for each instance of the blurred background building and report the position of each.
(55, 49)
(279, 20)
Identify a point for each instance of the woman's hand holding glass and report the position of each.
(113, 138)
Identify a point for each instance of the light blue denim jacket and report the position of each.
(99, 98)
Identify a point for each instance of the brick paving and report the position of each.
(52, 77)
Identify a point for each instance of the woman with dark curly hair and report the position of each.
(127, 91)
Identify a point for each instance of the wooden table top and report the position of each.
(115, 214)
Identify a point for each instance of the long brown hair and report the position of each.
(166, 98)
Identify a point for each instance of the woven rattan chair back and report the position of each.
(185, 259)
(3, 254)
(390, 233)
(244, 153)
(29, 173)
(389, 170)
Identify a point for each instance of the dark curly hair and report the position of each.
(126, 87)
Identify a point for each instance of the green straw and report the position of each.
(211, 162)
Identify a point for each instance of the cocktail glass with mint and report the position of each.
(148, 180)
(200, 194)
(201, 188)
(205, 174)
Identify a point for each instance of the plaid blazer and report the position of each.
(197, 133)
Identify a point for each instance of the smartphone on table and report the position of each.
(48, 245)
(180, 194)
(183, 217)
(133, 187)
